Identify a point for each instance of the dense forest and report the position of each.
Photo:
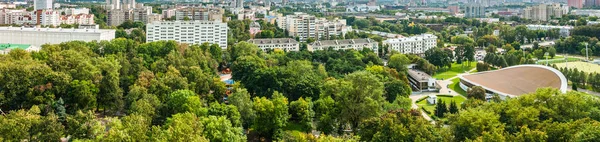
(121, 90)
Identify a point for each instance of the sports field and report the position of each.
(584, 66)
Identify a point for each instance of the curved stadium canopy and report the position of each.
(516, 80)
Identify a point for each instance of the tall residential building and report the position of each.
(475, 10)
(307, 26)
(48, 17)
(575, 3)
(195, 13)
(190, 32)
(116, 17)
(412, 45)
(240, 3)
(542, 12)
(42, 4)
(40, 36)
(286, 44)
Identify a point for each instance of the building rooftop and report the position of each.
(273, 41)
(419, 75)
(25, 29)
(518, 80)
(4, 46)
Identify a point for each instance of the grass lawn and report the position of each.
(454, 70)
(431, 108)
(456, 87)
(582, 66)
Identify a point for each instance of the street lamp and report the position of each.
(586, 52)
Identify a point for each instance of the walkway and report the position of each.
(444, 90)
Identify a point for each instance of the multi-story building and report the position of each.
(47, 17)
(42, 4)
(575, 3)
(586, 12)
(40, 36)
(563, 30)
(475, 10)
(346, 44)
(194, 13)
(169, 13)
(542, 12)
(285, 44)
(412, 45)
(190, 32)
(116, 17)
(80, 19)
(141, 14)
(307, 26)
(76, 11)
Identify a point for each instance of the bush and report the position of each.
(482, 67)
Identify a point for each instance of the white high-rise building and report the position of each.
(412, 45)
(42, 4)
(190, 32)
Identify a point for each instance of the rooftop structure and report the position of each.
(420, 80)
(516, 80)
(5, 48)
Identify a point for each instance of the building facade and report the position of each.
(575, 3)
(40, 36)
(412, 45)
(190, 32)
(285, 44)
(346, 44)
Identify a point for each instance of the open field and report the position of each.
(582, 66)
(558, 60)
(454, 70)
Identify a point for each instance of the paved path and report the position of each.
(444, 90)
(589, 92)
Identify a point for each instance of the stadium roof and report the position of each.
(518, 80)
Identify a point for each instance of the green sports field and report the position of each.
(582, 66)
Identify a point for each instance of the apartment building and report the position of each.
(563, 30)
(286, 44)
(543, 12)
(190, 32)
(48, 17)
(80, 19)
(40, 36)
(195, 13)
(412, 45)
(307, 26)
(346, 44)
(76, 11)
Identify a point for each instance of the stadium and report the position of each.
(516, 80)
